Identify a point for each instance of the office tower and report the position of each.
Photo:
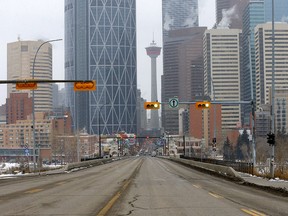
(153, 52)
(229, 13)
(182, 71)
(263, 62)
(222, 72)
(280, 10)
(141, 114)
(253, 15)
(179, 15)
(20, 56)
(100, 45)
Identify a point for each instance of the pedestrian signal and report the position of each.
(152, 105)
(202, 105)
(85, 85)
(26, 85)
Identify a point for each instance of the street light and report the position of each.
(33, 102)
(99, 133)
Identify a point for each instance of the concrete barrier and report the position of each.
(88, 163)
(219, 169)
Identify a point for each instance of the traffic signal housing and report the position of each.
(152, 105)
(271, 138)
(202, 105)
(85, 85)
(26, 85)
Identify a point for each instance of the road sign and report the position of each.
(173, 102)
(26, 85)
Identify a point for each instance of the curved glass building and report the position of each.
(100, 44)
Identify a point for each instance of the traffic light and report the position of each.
(85, 85)
(152, 105)
(202, 105)
(26, 85)
(271, 138)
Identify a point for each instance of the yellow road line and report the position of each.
(109, 205)
(215, 195)
(197, 186)
(252, 212)
(34, 190)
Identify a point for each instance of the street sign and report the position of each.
(173, 102)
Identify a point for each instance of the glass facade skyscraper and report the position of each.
(100, 44)
(280, 10)
(253, 15)
(179, 15)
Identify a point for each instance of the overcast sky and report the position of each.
(44, 19)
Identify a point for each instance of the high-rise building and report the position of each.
(253, 15)
(20, 57)
(179, 15)
(280, 10)
(263, 60)
(222, 72)
(141, 114)
(182, 71)
(229, 13)
(100, 44)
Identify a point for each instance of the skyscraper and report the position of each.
(20, 56)
(179, 15)
(252, 16)
(280, 9)
(222, 72)
(229, 13)
(263, 53)
(182, 71)
(100, 44)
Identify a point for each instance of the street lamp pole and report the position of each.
(273, 93)
(33, 102)
(99, 132)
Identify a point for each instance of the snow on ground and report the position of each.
(4, 167)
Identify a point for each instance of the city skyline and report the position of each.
(19, 25)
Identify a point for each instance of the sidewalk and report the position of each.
(275, 184)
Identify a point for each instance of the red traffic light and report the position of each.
(202, 105)
(152, 105)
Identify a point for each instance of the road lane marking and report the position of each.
(252, 212)
(112, 201)
(215, 195)
(197, 186)
(34, 191)
(61, 183)
(109, 205)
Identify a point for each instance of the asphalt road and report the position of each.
(135, 186)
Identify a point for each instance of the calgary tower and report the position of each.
(153, 52)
